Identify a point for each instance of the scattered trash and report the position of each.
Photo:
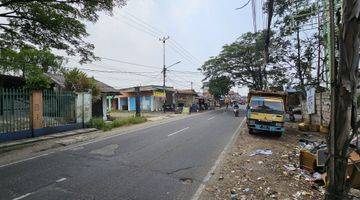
(260, 162)
(221, 178)
(290, 167)
(233, 195)
(264, 152)
(246, 190)
(300, 193)
(317, 176)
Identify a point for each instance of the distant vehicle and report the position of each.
(266, 112)
(236, 110)
(242, 102)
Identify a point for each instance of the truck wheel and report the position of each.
(279, 134)
(251, 131)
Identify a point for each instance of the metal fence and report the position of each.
(14, 110)
(58, 108)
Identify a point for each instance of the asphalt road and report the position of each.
(166, 161)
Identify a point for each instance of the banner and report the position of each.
(310, 101)
(159, 94)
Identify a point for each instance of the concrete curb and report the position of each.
(11, 144)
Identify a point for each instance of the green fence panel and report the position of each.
(14, 110)
(58, 108)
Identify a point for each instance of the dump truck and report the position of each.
(266, 112)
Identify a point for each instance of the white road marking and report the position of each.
(27, 159)
(201, 188)
(211, 117)
(60, 180)
(178, 131)
(23, 196)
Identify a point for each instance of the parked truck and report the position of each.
(266, 112)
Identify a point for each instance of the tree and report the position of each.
(344, 101)
(76, 80)
(32, 64)
(54, 24)
(243, 62)
(219, 86)
(291, 18)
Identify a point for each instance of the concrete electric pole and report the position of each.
(163, 40)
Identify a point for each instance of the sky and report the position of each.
(197, 29)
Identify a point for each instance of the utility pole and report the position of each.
(191, 85)
(163, 40)
(331, 167)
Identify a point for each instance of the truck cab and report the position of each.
(266, 112)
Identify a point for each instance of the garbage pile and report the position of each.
(311, 168)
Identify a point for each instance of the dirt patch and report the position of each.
(108, 150)
(250, 174)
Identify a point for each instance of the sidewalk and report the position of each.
(6, 146)
(244, 175)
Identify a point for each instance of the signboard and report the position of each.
(321, 157)
(310, 101)
(159, 93)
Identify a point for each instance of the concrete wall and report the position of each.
(83, 107)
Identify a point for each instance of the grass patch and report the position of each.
(107, 126)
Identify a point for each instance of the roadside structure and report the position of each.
(25, 113)
(151, 98)
(185, 97)
(105, 102)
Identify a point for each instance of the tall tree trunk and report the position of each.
(298, 61)
(345, 108)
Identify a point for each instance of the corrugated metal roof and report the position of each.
(59, 79)
(147, 88)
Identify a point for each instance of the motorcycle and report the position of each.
(236, 112)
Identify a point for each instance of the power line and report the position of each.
(243, 6)
(187, 72)
(144, 27)
(152, 31)
(184, 50)
(147, 24)
(131, 63)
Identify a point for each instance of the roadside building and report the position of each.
(151, 98)
(185, 98)
(105, 102)
(7, 81)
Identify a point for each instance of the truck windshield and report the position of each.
(265, 106)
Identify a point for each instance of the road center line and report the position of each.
(178, 131)
(211, 118)
(60, 180)
(23, 196)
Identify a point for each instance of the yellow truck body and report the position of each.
(266, 112)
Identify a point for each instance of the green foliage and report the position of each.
(358, 101)
(97, 123)
(32, 64)
(37, 80)
(107, 126)
(136, 120)
(243, 61)
(26, 60)
(78, 81)
(219, 86)
(51, 24)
